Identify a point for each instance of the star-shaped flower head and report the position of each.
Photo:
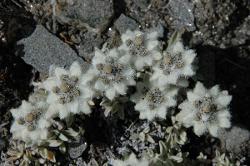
(113, 73)
(141, 48)
(175, 63)
(205, 110)
(30, 124)
(153, 102)
(131, 161)
(65, 93)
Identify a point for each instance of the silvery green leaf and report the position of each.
(55, 143)
(150, 139)
(142, 136)
(71, 132)
(63, 137)
(176, 36)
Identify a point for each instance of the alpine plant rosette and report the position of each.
(176, 63)
(153, 102)
(153, 76)
(112, 73)
(30, 124)
(143, 49)
(66, 94)
(205, 110)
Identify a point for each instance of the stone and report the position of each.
(87, 46)
(42, 49)
(181, 12)
(124, 23)
(95, 13)
(77, 151)
(235, 140)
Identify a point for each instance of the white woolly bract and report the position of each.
(144, 53)
(175, 64)
(130, 161)
(112, 73)
(20, 128)
(205, 110)
(150, 106)
(63, 97)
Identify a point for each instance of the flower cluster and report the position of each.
(205, 110)
(140, 71)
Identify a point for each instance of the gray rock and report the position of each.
(95, 13)
(77, 151)
(90, 40)
(236, 140)
(124, 23)
(182, 13)
(43, 49)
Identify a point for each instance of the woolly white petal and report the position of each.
(188, 71)
(99, 85)
(110, 93)
(142, 105)
(162, 112)
(73, 107)
(177, 47)
(59, 72)
(52, 98)
(88, 76)
(223, 100)
(189, 56)
(223, 114)
(214, 91)
(213, 129)
(152, 44)
(50, 83)
(192, 97)
(127, 35)
(120, 88)
(224, 122)
(75, 69)
(85, 107)
(200, 89)
(125, 59)
(199, 128)
(98, 58)
(63, 112)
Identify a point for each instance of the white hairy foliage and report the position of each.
(67, 93)
(130, 161)
(153, 102)
(175, 64)
(205, 110)
(142, 49)
(30, 124)
(112, 73)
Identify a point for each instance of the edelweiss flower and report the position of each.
(152, 102)
(66, 94)
(30, 124)
(113, 73)
(205, 110)
(141, 48)
(176, 63)
(130, 161)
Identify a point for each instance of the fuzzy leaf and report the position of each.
(55, 143)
